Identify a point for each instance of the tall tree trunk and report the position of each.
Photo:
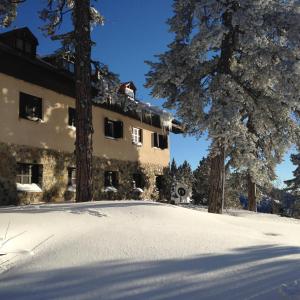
(84, 125)
(251, 194)
(217, 182)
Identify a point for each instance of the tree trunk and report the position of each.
(217, 182)
(84, 125)
(251, 194)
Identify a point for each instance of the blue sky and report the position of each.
(134, 31)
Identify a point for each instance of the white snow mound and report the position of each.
(145, 250)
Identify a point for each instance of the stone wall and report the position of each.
(55, 175)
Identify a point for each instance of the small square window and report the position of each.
(113, 129)
(29, 173)
(160, 141)
(111, 179)
(138, 180)
(30, 107)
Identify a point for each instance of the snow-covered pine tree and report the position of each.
(83, 16)
(293, 185)
(185, 174)
(231, 60)
(201, 184)
(8, 11)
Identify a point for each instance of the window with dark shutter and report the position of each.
(30, 107)
(109, 128)
(71, 176)
(159, 182)
(29, 173)
(113, 129)
(139, 180)
(160, 141)
(118, 129)
(72, 117)
(155, 140)
(111, 179)
(164, 142)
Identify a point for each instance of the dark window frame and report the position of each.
(28, 173)
(138, 178)
(113, 129)
(159, 182)
(30, 107)
(160, 141)
(72, 117)
(111, 179)
(72, 176)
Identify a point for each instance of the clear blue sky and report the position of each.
(134, 31)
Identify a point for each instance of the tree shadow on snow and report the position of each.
(92, 208)
(245, 273)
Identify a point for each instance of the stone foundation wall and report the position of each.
(55, 175)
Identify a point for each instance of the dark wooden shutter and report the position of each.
(107, 178)
(28, 104)
(39, 108)
(118, 129)
(161, 141)
(22, 105)
(115, 179)
(72, 117)
(141, 136)
(35, 169)
(106, 127)
(155, 140)
(165, 142)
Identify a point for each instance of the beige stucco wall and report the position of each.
(54, 133)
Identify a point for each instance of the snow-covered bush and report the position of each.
(8, 192)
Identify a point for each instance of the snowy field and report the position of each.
(144, 250)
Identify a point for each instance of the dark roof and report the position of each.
(24, 31)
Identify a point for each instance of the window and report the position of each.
(71, 176)
(113, 129)
(160, 141)
(30, 107)
(159, 182)
(24, 46)
(139, 180)
(111, 179)
(137, 136)
(29, 173)
(72, 117)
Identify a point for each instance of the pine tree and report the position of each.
(201, 184)
(232, 61)
(293, 185)
(185, 174)
(83, 16)
(173, 169)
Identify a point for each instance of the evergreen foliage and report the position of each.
(293, 185)
(185, 174)
(233, 70)
(201, 184)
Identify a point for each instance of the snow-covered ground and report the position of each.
(145, 250)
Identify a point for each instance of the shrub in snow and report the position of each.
(8, 192)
